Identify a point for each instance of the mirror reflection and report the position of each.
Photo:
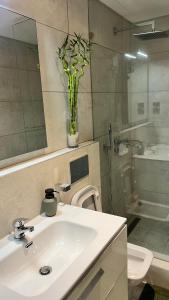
(22, 123)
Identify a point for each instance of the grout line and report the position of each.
(91, 77)
(67, 12)
(31, 18)
(66, 92)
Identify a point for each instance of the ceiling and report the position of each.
(139, 10)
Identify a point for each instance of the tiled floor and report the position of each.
(161, 297)
(161, 294)
(153, 235)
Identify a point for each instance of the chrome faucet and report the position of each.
(20, 228)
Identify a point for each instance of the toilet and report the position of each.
(139, 258)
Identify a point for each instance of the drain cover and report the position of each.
(45, 270)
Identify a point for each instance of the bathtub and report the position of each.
(151, 182)
(155, 152)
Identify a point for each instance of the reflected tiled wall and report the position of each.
(22, 124)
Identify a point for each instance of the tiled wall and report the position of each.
(21, 193)
(158, 78)
(56, 18)
(138, 90)
(152, 176)
(22, 125)
(152, 180)
(109, 92)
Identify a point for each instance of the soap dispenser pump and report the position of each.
(50, 203)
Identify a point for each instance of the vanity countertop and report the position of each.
(102, 228)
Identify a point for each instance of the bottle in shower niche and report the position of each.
(50, 203)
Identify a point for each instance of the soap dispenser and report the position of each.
(50, 203)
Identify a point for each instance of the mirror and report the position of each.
(22, 122)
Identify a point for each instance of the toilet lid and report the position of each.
(88, 197)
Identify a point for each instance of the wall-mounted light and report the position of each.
(128, 55)
(141, 53)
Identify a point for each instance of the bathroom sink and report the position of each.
(57, 246)
(67, 244)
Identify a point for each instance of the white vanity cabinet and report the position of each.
(107, 277)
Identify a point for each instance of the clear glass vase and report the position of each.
(72, 124)
(73, 133)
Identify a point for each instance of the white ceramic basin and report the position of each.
(57, 246)
(68, 242)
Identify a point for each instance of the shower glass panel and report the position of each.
(130, 90)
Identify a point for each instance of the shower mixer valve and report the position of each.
(129, 143)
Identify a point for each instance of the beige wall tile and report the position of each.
(85, 117)
(159, 72)
(106, 193)
(85, 82)
(27, 186)
(102, 23)
(55, 106)
(49, 12)
(134, 99)
(160, 119)
(108, 69)
(78, 17)
(52, 74)
(105, 162)
(101, 113)
(138, 77)
(94, 165)
(102, 69)
(55, 118)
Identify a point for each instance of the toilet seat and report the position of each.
(139, 258)
(139, 261)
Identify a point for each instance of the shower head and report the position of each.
(150, 35)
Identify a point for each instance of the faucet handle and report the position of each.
(19, 222)
(62, 187)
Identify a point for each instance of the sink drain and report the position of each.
(45, 270)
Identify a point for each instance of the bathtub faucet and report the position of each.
(129, 143)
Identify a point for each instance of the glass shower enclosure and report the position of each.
(130, 92)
